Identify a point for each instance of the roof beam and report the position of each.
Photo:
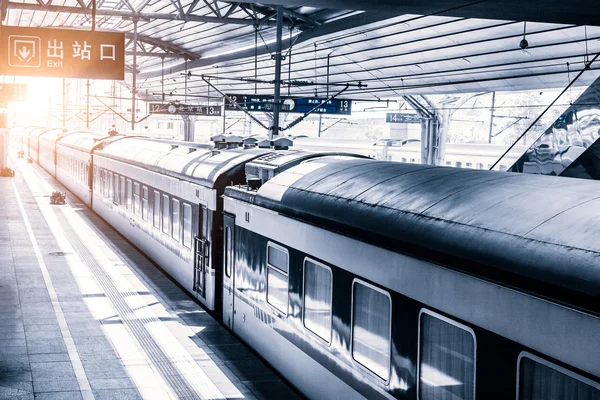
(167, 46)
(325, 29)
(137, 15)
(150, 54)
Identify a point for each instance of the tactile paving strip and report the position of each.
(162, 363)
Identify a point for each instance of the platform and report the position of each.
(84, 315)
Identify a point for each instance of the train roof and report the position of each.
(53, 132)
(191, 161)
(535, 233)
(84, 140)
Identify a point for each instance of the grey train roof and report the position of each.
(184, 160)
(83, 141)
(537, 233)
(199, 163)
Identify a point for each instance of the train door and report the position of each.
(201, 248)
(228, 269)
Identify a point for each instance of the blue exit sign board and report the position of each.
(63, 53)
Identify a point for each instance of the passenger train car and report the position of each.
(361, 278)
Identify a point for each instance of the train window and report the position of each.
(175, 220)
(187, 225)
(446, 358)
(156, 210)
(87, 174)
(136, 198)
(129, 193)
(479, 165)
(122, 191)
(116, 187)
(145, 203)
(538, 379)
(448, 162)
(459, 164)
(277, 277)
(371, 328)
(227, 253)
(318, 285)
(165, 214)
(469, 165)
(503, 168)
(403, 159)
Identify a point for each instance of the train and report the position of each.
(461, 155)
(358, 278)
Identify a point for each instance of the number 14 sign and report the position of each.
(64, 53)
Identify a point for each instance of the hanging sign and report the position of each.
(13, 92)
(63, 53)
(398, 118)
(184, 109)
(289, 104)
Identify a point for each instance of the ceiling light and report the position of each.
(467, 61)
(406, 24)
(419, 67)
(526, 53)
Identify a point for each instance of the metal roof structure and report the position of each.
(391, 51)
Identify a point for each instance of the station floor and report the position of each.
(84, 315)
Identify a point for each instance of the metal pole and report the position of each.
(134, 78)
(87, 104)
(320, 117)
(277, 98)
(492, 117)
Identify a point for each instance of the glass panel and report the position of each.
(129, 193)
(175, 220)
(447, 362)
(277, 290)
(277, 258)
(371, 329)
(166, 214)
(136, 198)
(226, 254)
(122, 192)
(156, 209)
(187, 226)
(317, 299)
(110, 185)
(116, 189)
(145, 203)
(540, 382)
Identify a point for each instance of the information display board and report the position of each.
(13, 92)
(289, 104)
(64, 53)
(399, 118)
(184, 109)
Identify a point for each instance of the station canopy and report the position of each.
(395, 50)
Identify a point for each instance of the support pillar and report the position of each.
(189, 127)
(277, 96)
(134, 76)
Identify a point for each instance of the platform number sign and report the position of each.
(399, 118)
(288, 104)
(184, 109)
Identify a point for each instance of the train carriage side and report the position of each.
(387, 280)
(165, 198)
(74, 162)
(47, 146)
